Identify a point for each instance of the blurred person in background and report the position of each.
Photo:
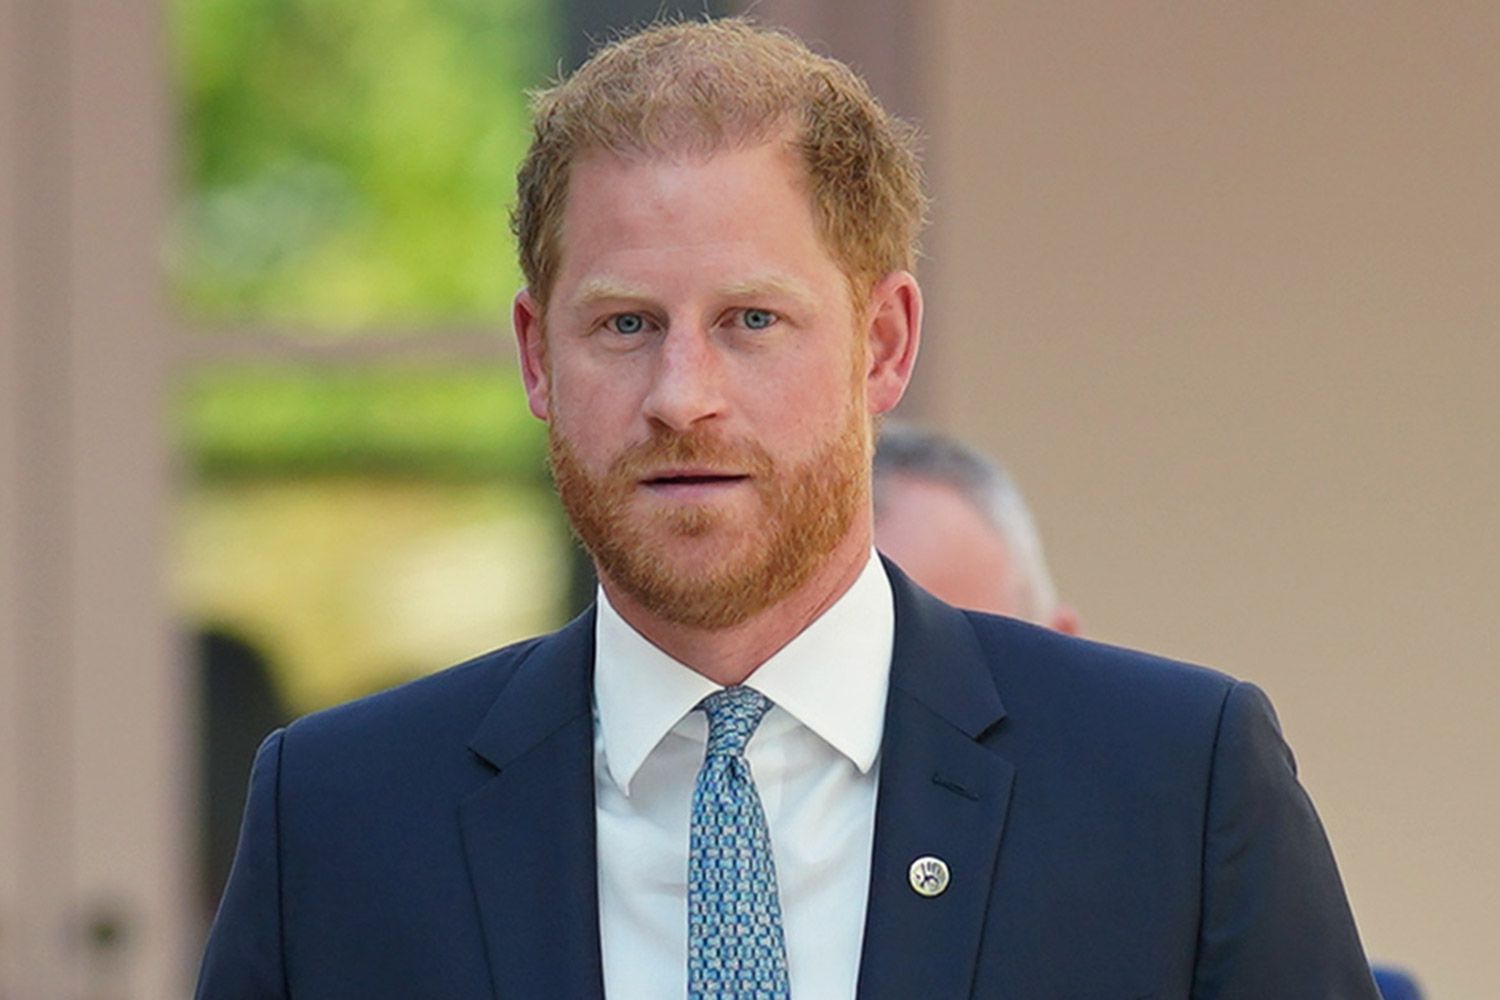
(954, 520)
(1397, 984)
(956, 523)
(676, 794)
(238, 705)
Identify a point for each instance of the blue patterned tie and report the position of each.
(736, 949)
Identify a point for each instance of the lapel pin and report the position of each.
(928, 876)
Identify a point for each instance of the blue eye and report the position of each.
(758, 319)
(627, 323)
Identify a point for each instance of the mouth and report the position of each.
(691, 480)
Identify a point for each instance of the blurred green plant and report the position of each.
(348, 165)
(350, 584)
(408, 421)
(351, 162)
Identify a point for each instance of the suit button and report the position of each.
(928, 876)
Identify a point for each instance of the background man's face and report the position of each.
(946, 545)
(950, 549)
(703, 381)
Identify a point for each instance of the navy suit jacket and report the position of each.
(1117, 827)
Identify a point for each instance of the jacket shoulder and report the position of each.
(1065, 697)
(1026, 658)
(452, 700)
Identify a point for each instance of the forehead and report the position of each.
(747, 206)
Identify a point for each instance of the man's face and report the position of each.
(706, 380)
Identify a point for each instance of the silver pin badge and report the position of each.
(929, 876)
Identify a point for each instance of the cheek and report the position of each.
(825, 379)
(586, 376)
(595, 415)
(577, 391)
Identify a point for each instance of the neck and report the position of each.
(728, 656)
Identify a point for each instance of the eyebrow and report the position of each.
(771, 285)
(606, 289)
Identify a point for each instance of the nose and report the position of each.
(687, 383)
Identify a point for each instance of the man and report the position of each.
(677, 793)
(957, 524)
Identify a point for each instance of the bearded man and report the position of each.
(764, 764)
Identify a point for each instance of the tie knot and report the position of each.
(733, 714)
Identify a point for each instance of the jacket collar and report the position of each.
(528, 832)
(530, 838)
(943, 795)
(549, 689)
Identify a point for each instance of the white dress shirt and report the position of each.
(813, 759)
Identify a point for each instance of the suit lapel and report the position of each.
(943, 795)
(528, 832)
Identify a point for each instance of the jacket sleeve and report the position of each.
(1275, 920)
(244, 959)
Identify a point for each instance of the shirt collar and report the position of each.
(832, 678)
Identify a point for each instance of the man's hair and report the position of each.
(695, 88)
(918, 453)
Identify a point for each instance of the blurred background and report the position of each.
(1221, 283)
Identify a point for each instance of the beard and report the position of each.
(806, 510)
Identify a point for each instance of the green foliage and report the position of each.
(392, 421)
(349, 162)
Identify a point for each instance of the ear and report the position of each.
(531, 346)
(1065, 619)
(894, 331)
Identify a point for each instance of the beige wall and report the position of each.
(10, 448)
(94, 741)
(1222, 283)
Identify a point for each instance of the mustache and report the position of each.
(667, 448)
